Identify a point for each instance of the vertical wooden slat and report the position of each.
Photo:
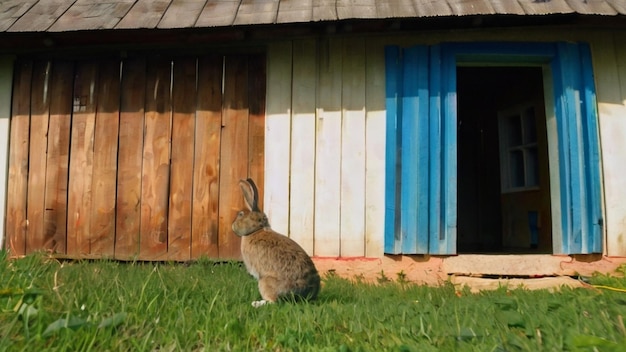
(256, 129)
(206, 183)
(375, 150)
(6, 88)
(234, 152)
(415, 144)
(327, 147)
(55, 217)
(435, 198)
(81, 159)
(181, 177)
(40, 112)
(303, 144)
(16, 223)
(393, 79)
(130, 157)
(102, 225)
(609, 61)
(156, 161)
(278, 126)
(353, 150)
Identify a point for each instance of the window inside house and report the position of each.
(518, 149)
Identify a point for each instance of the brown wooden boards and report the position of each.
(181, 177)
(156, 161)
(256, 129)
(39, 114)
(81, 159)
(233, 158)
(134, 159)
(55, 217)
(16, 220)
(103, 183)
(206, 158)
(130, 159)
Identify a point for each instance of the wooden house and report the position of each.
(429, 129)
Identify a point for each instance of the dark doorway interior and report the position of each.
(498, 213)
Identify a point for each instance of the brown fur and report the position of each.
(281, 266)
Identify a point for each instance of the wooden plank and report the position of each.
(16, 221)
(324, 10)
(55, 217)
(257, 12)
(328, 143)
(415, 144)
(256, 128)
(302, 194)
(104, 182)
(375, 125)
(218, 13)
(611, 78)
(393, 78)
(182, 14)
(41, 16)
(204, 236)
(295, 11)
(435, 136)
(353, 150)
(473, 7)
(39, 115)
(156, 161)
(234, 152)
(6, 90)
(81, 160)
(92, 14)
(349, 9)
(181, 174)
(11, 10)
(130, 158)
(278, 135)
(391, 9)
(144, 14)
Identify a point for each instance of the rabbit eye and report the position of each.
(240, 214)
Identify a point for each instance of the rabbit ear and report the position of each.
(250, 194)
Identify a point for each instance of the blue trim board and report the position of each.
(393, 77)
(414, 203)
(592, 152)
(435, 199)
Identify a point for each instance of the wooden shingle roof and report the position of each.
(75, 15)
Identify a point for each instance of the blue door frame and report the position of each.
(421, 174)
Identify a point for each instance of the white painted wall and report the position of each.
(325, 145)
(6, 84)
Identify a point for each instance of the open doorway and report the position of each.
(503, 172)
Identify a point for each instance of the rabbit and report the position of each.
(283, 269)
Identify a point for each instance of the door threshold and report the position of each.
(527, 265)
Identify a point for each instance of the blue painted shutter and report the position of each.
(421, 154)
(421, 174)
(579, 160)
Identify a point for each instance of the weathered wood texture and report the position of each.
(16, 217)
(151, 169)
(325, 171)
(72, 15)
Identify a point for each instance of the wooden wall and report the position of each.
(324, 148)
(133, 159)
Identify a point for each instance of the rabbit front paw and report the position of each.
(257, 304)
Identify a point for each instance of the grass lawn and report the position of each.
(205, 306)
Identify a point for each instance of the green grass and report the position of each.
(105, 305)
